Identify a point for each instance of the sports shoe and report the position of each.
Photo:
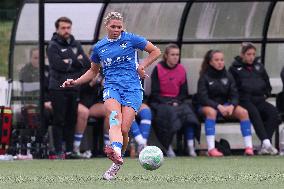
(249, 151)
(170, 153)
(263, 151)
(24, 157)
(111, 154)
(270, 150)
(192, 153)
(86, 155)
(215, 153)
(111, 172)
(72, 155)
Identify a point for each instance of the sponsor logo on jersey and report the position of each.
(123, 45)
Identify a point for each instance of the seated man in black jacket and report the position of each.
(254, 87)
(168, 101)
(30, 72)
(218, 96)
(67, 61)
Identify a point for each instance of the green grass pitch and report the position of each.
(182, 172)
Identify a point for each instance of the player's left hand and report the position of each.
(141, 72)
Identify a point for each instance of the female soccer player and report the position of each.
(116, 53)
(218, 96)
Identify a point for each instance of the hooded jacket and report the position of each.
(252, 80)
(217, 87)
(60, 49)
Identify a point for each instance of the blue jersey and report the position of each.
(119, 60)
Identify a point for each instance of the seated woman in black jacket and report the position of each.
(168, 101)
(218, 96)
(254, 87)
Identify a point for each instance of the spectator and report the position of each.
(218, 96)
(67, 60)
(169, 93)
(29, 78)
(30, 72)
(254, 87)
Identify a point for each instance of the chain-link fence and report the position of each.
(7, 17)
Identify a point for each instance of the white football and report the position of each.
(151, 158)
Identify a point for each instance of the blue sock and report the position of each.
(210, 127)
(245, 128)
(145, 123)
(116, 144)
(77, 141)
(134, 129)
(189, 133)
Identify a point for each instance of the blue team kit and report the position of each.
(119, 61)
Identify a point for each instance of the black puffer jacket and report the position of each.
(252, 80)
(60, 49)
(216, 87)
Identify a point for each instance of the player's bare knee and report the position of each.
(211, 113)
(243, 113)
(124, 131)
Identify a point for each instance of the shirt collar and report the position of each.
(112, 40)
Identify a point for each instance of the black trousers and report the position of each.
(264, 117)
(169, 119)
(64, 105)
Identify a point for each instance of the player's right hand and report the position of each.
(141, 72)
(69, 83)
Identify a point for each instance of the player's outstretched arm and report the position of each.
(154, 53)
(90, 74)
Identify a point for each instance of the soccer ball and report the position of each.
(151, 158)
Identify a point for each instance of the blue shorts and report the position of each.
(132, 99)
